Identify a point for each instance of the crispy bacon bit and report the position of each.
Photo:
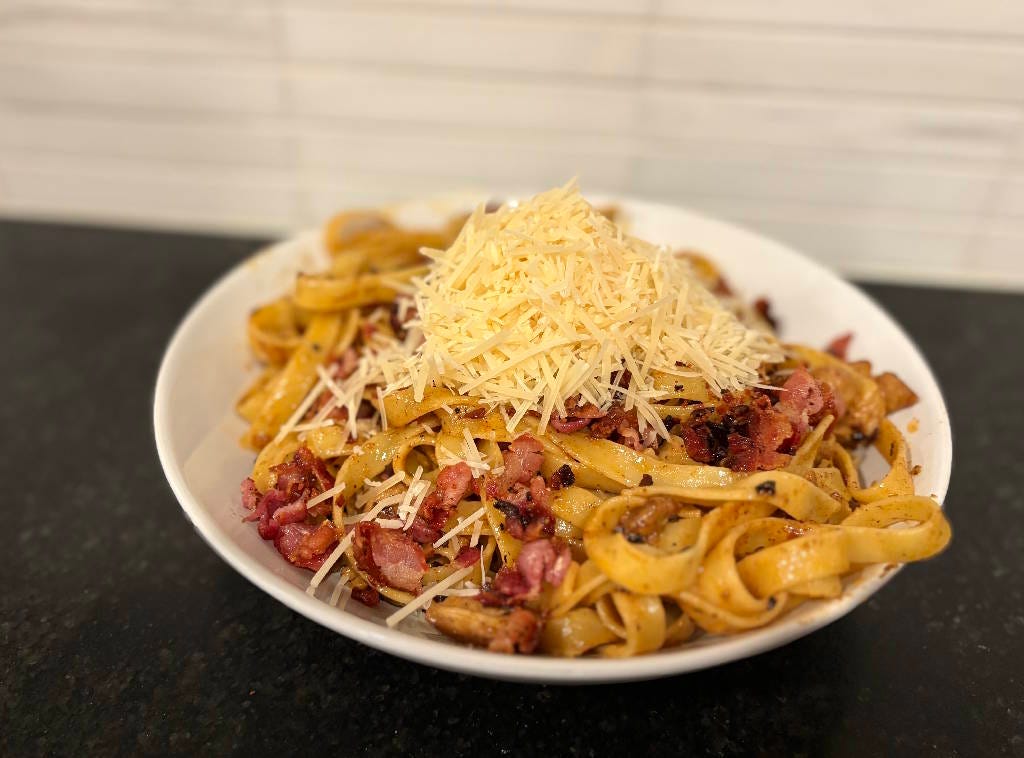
(389, 556)
(745, 432)
(250, 495)
(345, 364)
(802, 398)
(840, 345)
(895, 393)
(568, 425)
(522, 460)
(453, 484)
(649, 517)
(538, 562)
(527, 516)
(763, 308)
(578, 414)
(397, 323)
(519, 634)
(368, 596)
(622, 426)
(296, 482)
(499, 630)
(305, 545)
(467, 556)
(563, 477)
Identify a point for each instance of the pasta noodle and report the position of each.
(578, 494)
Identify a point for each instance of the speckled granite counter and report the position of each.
(121, 632)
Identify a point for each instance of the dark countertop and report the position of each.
(121, 632)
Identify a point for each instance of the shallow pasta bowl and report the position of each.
(207, 364)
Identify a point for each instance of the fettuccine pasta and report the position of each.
(541, 434)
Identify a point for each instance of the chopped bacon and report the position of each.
(578, 415)
(520, 633)
(568, 425)
(305, 545)
(250, 495)
(522, 460)
(538, 562)
(389, 556)
(563, 476)
(345, 364)
(297, 481)
(622, 426)
(467, 556)
(763, 308)
(368, 596)
(527, 516)
(453, 484)
(801, 399)
(292, 513)
(840, 345)
(743, 432)
(648, 518)
(895, 393)
(500, 630)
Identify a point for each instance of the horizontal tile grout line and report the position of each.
(796, 211)
(979, 171)
(643, 19)
(635, 86)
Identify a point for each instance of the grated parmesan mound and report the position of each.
(548, 299)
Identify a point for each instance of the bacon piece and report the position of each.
(499, 630)
(291, 513)
(297, 480)
(467, 556)
(368, 596)
(522, 461)
(840, 345)
(700, 444)
(421, 531)
(250, 495)
(538, 562)
(526, 518)
(389, 556)
(622, 426)
(454, 483)
(801, 398)
(744, 432)
(563, 476)
(746, 455)
(647, 519)
(578, 415)
(568, 425)
(895, 393)
(345, 364)
(763, 308)
(305, 545)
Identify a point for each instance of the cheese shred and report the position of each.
(547, 299)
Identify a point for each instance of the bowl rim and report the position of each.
(477, 662)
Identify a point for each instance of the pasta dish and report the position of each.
(540, 433)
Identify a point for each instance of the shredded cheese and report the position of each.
(326, 495)
(547, 299)
(299, 412)
(474, 516)
(318, 577)
(428, 594)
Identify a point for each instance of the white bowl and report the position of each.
(207, 363)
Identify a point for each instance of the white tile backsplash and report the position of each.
(885, 139)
